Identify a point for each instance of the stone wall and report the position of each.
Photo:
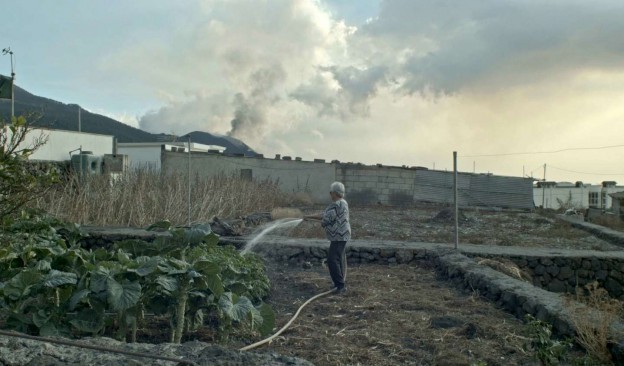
(561, 273)
(566, 273)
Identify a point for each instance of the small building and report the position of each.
(617, 203)
(148, 155)
(579, 195)
(62, 144)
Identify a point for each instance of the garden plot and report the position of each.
(393, 315)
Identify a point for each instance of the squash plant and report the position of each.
(49, 285)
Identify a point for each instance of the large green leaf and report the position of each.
(43, 265)
(207, 267)
(122, 296)
(147, 266)
(214, 284)
(20, 285)
(99, 279)
(167, 283)
(88, 320)
(56, 278)
(236, 308)
(197, 233)
(40, 318)
(77, 297)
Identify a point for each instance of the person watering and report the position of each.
(335, 221)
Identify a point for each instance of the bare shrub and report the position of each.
(593, 327)
(286, 213)
(142, 197)
(300, 199)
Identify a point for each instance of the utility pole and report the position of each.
(544, 188)
(455, 198)
(189, 180)
(8, 51)
(79, 122)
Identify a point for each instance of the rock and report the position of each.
(565, 273)
(306, 265)
(223, 228)
(556, 286)
(601, 275)
(258, 218)
(386, 253)
(614, 287)
(553, 270)
(404, 256)
(539, 270)
(29, 352)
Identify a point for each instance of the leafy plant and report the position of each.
(20, 182)
(548, 351)
(49, 285)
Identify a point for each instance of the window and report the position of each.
(604, 200)
(593, 199)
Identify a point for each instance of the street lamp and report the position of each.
(8, 51)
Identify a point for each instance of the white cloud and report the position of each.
(409, 86)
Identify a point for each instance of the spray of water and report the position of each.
(277, 224)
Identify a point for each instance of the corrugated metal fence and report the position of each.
(474, 189)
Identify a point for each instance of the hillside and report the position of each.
(52, 114)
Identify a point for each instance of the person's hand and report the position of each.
(312, 217)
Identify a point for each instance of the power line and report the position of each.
(574, 171)
(544, 152)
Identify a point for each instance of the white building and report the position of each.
(575, 195)
(61, 144)
(149, 154)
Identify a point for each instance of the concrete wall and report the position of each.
(365, 184)
(141, 156)
(60, 143)
(291, 176)
(402, 186)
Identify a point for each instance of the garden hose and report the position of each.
(269, 339)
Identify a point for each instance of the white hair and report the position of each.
(338, 188)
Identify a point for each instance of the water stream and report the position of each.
(277, 224)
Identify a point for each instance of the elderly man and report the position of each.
(335, 221)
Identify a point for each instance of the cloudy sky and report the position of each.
(373, 81)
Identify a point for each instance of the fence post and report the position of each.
(455, 198)
(189, 180)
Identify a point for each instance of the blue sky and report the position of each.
(375, 81)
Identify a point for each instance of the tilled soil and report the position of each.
(506, 228)
(392, 315)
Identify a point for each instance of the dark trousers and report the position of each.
(337, 263)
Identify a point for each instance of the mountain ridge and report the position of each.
(52, 114)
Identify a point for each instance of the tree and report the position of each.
(20, 181)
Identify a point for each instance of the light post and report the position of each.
(8, 51)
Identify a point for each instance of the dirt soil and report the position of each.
(392, 315)
(417, 224)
